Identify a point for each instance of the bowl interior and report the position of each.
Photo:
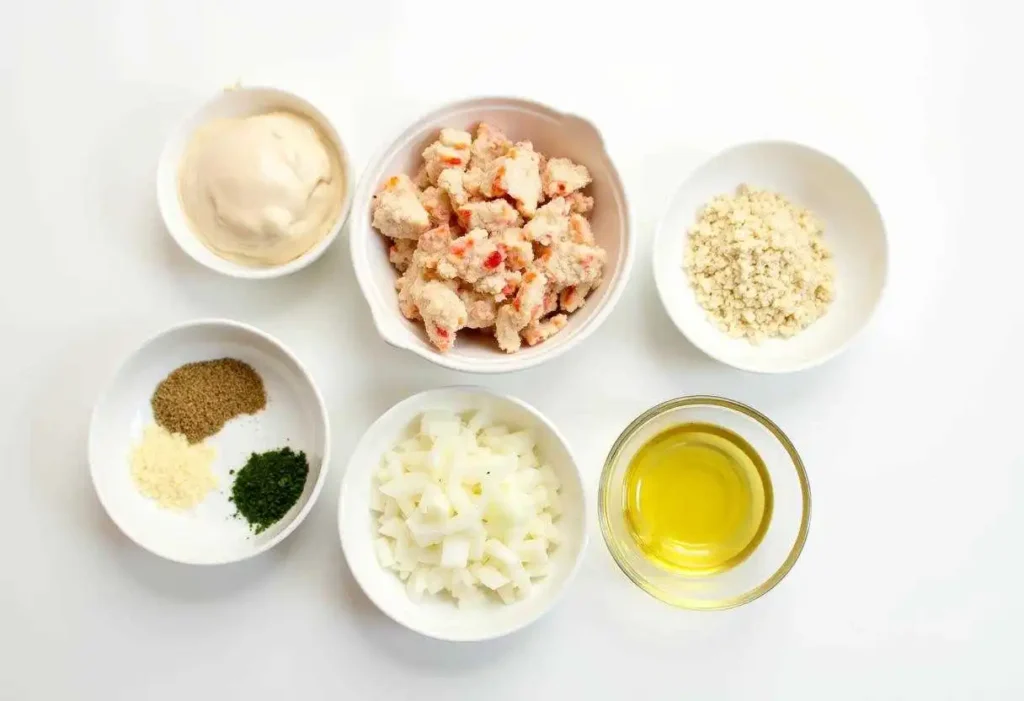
(437, 616)
(552, 133)
(853, 231)
(233, 103)
(782, 542)
(207, 534)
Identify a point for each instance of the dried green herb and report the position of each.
(268, 486)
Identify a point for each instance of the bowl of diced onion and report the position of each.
(462, 514)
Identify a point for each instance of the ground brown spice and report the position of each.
(197, 399)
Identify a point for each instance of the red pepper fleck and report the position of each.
(508, 289)
(452, 160)
(458, 250)
(493, 260)
(518, 304)
(440, 332)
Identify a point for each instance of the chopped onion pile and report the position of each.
(465, 507)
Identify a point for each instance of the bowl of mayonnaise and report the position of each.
(255, 184)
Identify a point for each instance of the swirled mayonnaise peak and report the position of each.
(261, 190)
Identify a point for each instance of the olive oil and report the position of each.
(698, 499)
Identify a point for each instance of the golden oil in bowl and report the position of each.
(698, 499)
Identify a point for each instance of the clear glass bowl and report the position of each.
(782, 543)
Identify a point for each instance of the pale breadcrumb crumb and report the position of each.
(759, 265)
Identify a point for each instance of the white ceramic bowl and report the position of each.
(438, 617)
(294, 416)
(242, 102)
(552, 133)
(854, 232)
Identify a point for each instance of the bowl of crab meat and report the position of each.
(492, 235)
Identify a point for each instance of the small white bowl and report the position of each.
(295, 416)
(554, 134)
(438, 617)
(854, 232)
(242, 102)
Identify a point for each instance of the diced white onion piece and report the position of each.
(478, 421)
(416, 585)
(455, 551)
(376, 501)
(424, 533)
(533, 550)
(434, 504)
(393, 527)
(507, 593)
(501, 552)
(435, 580)
(465, 507)
(385, 553)
(489, 576)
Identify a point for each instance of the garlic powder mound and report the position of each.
(759, 265)
(169, 470)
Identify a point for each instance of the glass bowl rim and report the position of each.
(723, 403)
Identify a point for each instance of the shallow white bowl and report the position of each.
(294, 416)
(242, 102)
(439, 617)
(854, 232)
(552, 133)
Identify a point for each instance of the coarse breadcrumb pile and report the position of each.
(759, 265)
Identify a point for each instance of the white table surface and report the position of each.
(911, 583)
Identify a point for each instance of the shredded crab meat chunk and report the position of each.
(494, 216)
(580, 231)
(573, 297)
(490, 143)
(451, 150)
(477, 246)
(481, 309)
(567, 264)
(561, 177)
(472, 257)
(432, 246)
(518, 250)
(500, 286)
(580, 203)
(437, 203)
(397, 211)
(443, 313)
(400, 253)
(542, 330)
(550, 224)
(517, 175)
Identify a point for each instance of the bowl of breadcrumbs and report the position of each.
(772, 256)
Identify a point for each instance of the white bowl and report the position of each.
(242, 102)
(552, 133)
(438, 617)
(294, 416)
(854, 232)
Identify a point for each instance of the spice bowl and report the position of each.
(853, 231)
(786, 527)
(209, 533)
(238, 102)
(438, 616)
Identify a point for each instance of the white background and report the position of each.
(911, 583)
